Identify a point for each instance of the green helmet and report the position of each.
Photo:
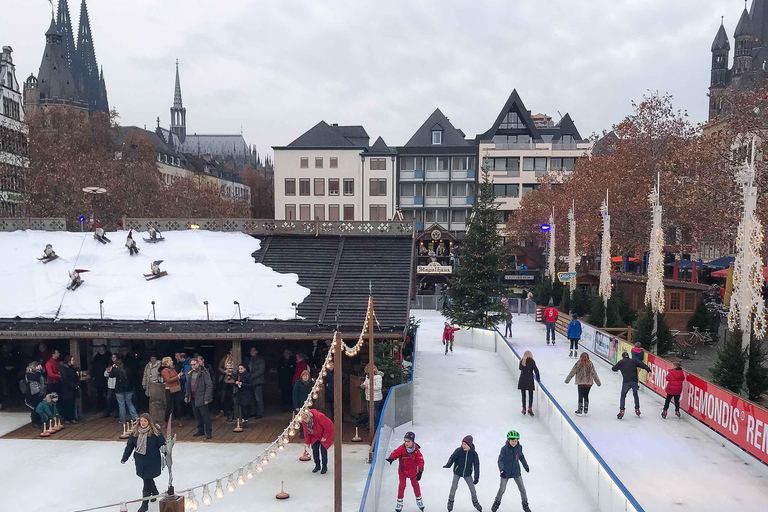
(512, 434)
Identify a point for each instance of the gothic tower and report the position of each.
(64, 24)
(719, 81)
(743, 38)
(178, 112)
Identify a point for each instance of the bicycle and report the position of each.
(682, 348)
(704, 338)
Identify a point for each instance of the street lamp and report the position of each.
(545, 227)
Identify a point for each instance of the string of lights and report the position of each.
(572, 247)
(654, 288)
(354, 350)
(551, 261)
(605, 256)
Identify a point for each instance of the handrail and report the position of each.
(581, 435)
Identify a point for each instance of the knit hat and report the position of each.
(410, 435)
(469, 440)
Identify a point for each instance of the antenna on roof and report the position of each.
(721, 20)
(561, 115)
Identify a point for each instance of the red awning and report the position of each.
(619, 259)
(724, 273)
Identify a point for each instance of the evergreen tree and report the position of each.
(700, 319)
(757, 373)
(565, 303)
(728, 370)
(596, 311)
(557, 291)
(580, 301)
(474, 291)
(542, 292)
(643, 332)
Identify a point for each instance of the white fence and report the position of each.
(602, 483)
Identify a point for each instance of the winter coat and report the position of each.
(227, 372)
(510, 459)
(147, 465)
(675, 379)
(257, 367)
(172, 379)
(298, 370)
(410, 463)
(586, 375)
(47, 408)
(285, 373)
(574, 330)
(52, 368)
(150, 380)
(70, 384)
(301, 391)
(322, 428)
(628, 368)
(36, 388)
(98, 366)
(201, 381)
(448, 333)
(526, 374)
(464, 462)
(330, 382)
(245, 389)
(550, 314)
(637, 354)
(122, 382)
(377, 382)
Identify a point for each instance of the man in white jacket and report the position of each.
(377, 395)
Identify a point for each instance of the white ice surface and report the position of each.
(202, 266)
(471, 392)
(668, 465)
(43, 475)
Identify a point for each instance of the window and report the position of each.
(333, 212)
(305, 162)
(318, 162)
(11, 107)
(333, 186)
(304, 212)
(562, 164)
(334, 162)
(690, 301)
(410, 189)
(431, 163)
(459, 216)
(319, 186)
(378, 186)
(538, 164)
(290, 212)
(529, 187)
(290, 186)
(437, 137)
(406, 163)
(459, 189)
(437, 189)
(304, 186)
(319, 212)
(458, 163)
(511, 121)
(349, 186)
(674, 301)
(442, 163)
(418, 163)
(566, 139)
(508, 190)
(378, 164)
(378, 212)
(506, 164)
(349, 212)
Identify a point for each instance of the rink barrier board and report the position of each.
(742, 422)
(609, 493)
(395, 412)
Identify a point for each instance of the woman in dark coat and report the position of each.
(70, 389)
(145, 443)
(244, 391)
(35, 389)
(525, 383)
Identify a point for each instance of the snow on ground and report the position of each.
(10, 421)
(471, 392)
(45, 474)
(666, 464)
(202, 266)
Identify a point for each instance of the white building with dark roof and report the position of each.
(13, 140)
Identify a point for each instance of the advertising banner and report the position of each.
(740, 421)
(606, 346)
(627, 347)
(587, 337)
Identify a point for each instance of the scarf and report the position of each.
(141, 442)
(311, 424)
(411, 449)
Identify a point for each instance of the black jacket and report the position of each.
(70, 383)
(285, 373)
(122, 382)
(526, 374)
(628, 368)
(329, 383)
(245, 391)
(147, 465)
(464, 462)
(510, 460)
(99, 364)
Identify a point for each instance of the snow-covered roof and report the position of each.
(202, 266)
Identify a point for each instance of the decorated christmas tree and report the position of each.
(473, 294)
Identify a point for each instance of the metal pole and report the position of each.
(371, 424)
(337, 430)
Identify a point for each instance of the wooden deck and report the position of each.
(95, 428)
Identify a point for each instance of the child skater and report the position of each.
(411, 467)
(510, 458)
(464, 460)
(675, 379)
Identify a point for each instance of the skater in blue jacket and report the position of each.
(574, 334)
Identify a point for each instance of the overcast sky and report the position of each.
(277, 67)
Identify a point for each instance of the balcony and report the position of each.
(411, 175)
(436, 201)
(462, 200)
(467, 174)
(438, 175)
(458, 226)
(556, 146)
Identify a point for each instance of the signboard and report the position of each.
(606, 345)
(434, 269)
(565, 277)
(11, 197)
(587, 337)
(519, 277)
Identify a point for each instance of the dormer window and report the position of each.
(437, 137)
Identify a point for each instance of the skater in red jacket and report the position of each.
(411, 467)
(448, 336)
(675, 379)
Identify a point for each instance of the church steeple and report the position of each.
(178, 112)
(719, 79)
(64, 24)
(744, 38)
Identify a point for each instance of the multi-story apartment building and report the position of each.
(519, 149)
(331, 173)
(437, 175)
(13, 139)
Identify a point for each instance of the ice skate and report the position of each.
(621, 414)
(579, 411)
(530, 412)
(525, 507)
(450, 505)
(586, 409)
(570, 354)
(664, 414)
(477, 506)
(523, 411)
(495, 506)
(547, 342)
(399, 505)
(419, 503)
(637, 411)
(677, 413)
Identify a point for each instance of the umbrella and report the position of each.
(724, 273)
(720, 263)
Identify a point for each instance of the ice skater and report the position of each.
(675, 379)
(146, 442)
(525, 382)
(508, 325)
(550, 320)
(574, 335)
(510, 458)
(130, 243)
(448, 336)
(628, 368)
(465, 461)
(585, 374)
(411, 466)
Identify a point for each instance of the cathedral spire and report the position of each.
(178, 112)
(64, 24)
(177, 91)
